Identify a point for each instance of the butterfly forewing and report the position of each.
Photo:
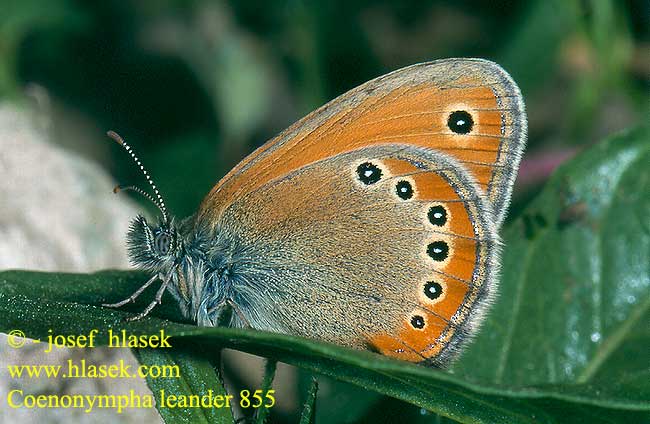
(469, 109)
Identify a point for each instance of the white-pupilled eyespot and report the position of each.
(369, 173)
(460, 122)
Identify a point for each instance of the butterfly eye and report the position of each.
(460, 122)
(437, 215)
(368, 173)
(163, 243)
(432, 290)
(438, 250)
(404, 190)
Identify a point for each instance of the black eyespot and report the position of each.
(163, 243)
(404, 190)
(460, 122)
(438, 250)
(437, 215)
(433, 290)
(368, 173)
(417, 321)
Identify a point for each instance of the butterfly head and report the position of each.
(168, 251)
(155, 248)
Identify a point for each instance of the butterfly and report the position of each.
(371, 223)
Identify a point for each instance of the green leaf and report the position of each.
(196, 377)
(573, 304)
(269, 374)
(309, 409)
(566, 340)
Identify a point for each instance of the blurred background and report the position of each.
(195, 85)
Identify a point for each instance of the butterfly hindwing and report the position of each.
(390, 247)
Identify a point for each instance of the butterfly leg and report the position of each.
(156, 301)
(234, 307)
(241, 316)
(134, 296)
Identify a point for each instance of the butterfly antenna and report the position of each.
(138, 190)
(158, 201)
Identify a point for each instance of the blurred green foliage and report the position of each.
(195, 85)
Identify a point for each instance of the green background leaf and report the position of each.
(197, 376)
(575, 281)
